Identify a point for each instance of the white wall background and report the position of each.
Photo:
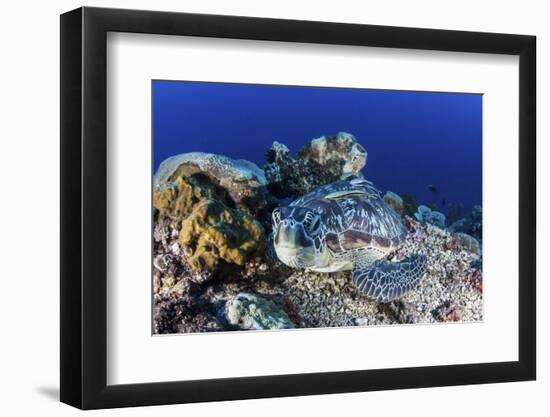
(29, 175)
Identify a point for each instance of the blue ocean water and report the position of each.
(413, 139)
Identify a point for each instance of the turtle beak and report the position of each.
(291, 235)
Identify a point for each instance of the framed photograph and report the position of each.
(257, 208)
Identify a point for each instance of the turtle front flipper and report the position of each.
(387, 281)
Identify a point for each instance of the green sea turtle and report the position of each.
(346, 225)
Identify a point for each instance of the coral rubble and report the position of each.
(409, 204)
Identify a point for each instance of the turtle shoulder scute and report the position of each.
(333, 242)
(355, 239)
(339, 190)
(358, 187)
(375, 218)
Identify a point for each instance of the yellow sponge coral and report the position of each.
(176, 199)
(210, 230)
(214, 231)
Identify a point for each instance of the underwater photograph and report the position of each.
(290, 207)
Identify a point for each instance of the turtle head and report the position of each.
(299, 237)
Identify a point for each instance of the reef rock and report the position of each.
(322, 161)
(409, 204)
(241, 179)
(340, 154)
(183, 315)
(425, 214)
(455, 212)
(448, 311)
(252, 312)
(394, 201)
(471, 225)
(468, 243)
(287, 176)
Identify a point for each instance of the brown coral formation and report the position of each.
(175, 200)
(241, 180)
(208, 230)
(214, 232)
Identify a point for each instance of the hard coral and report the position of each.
(175, 200)
(209, 230)
(322, 161)
(409, 204)
(339, 154)
(425, 214)
(394, 201)
(235, 175)
(254, 312)
(215, 232)
(471, 225)
(241, 182)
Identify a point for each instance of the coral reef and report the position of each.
(311, 299)
(320, 162)
(175, 200)
(468, 243)
(455, 212)
(193, 223)
(394, 201)
(229, 173)
(338, 154)
(287, 176)
(448, 311)
(214, 232)
(242, 180)
(253, 312)
(425, 214)
(214, 270)
(471, 225)
(409, 204)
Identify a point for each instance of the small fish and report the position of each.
(432, 188)
(443, 202)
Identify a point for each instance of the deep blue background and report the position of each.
(412, 138)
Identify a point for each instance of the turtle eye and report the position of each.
(276, 216)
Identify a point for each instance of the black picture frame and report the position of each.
(84, 207)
